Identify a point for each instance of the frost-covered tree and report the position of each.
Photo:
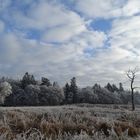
(46, 81)
(5, 90)
(137, 98)
(17, 98)
(96, 87)
(87, 95)
(27, 80)
(106, 97)
(121, 87)
(50, 95)
(55, 84)
(67, 93)
(115, 88)
(32, 92)
(109, 87)
(74, 89)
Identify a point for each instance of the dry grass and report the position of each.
(68, 123)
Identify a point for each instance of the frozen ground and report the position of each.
(70, 122)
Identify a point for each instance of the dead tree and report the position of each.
(131, 74)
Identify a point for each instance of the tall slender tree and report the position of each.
(131, 74)
(121, 87)
(66, 92)
(74, 89)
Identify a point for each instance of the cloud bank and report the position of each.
(57, 39)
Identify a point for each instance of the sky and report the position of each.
(96, 41)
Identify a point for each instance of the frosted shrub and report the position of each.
(5, 90)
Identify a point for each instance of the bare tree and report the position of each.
(131, 74)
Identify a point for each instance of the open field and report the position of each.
(70, 122)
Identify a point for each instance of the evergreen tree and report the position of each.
(114, 88)
(96, 87)
(109, 87)
(121, 87)
(66, 92)
(46, 81)
(56, 85)
(27, 80)
(74, 89)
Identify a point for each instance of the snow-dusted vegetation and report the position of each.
(5, 90)
(53, 112)
(71, 122)
(28, 91)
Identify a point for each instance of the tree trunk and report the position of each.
(131, 74)
(132, 96)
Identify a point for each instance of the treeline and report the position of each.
(30, 92)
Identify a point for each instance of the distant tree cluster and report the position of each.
(30, 92)
(71, 92)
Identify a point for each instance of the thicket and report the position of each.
(31, 92)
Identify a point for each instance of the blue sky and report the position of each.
(103, 25)
(94, 40)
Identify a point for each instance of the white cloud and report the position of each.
(100, 8)
(62, 33)
(44, 15)
(9, 48)
(108, 8)
(131, 8)
(57, 23)
(68, 30)
(126, 37)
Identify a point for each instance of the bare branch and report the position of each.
(135, 87)
(131, 74)
(128, 75)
